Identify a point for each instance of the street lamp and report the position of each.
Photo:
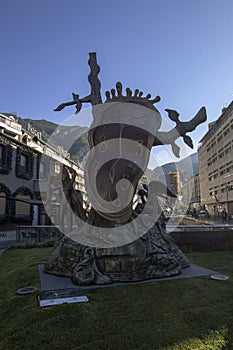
(228, 187)
(228, 216)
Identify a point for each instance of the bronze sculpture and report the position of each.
(121, 244)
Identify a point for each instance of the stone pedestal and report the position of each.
(154, 255)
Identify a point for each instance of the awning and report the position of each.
(29, 201)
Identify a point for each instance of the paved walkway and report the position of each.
(1, 251)
(5, 245)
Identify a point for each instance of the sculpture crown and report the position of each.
(130, 97)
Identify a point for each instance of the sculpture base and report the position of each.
(154, 255)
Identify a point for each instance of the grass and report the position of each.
(188, 314)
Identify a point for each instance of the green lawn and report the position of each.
(184, 314)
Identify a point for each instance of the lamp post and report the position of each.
(229, 186)
(228, 216)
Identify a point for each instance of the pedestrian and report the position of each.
(195, 215)
(224, 216)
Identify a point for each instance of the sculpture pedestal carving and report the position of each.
(154, 255)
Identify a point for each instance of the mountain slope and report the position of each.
(187, 167)
(72, 138)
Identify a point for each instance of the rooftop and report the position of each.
(215, 125)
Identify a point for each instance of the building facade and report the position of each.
(215, 156)
(174, 182)
(191, 192)
(25, 160)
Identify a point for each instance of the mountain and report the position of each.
(41, 125)
(151, 175)
(187, 167)
(72, 138)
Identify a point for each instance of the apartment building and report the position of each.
(174, 182)
(216, 164)
(191, 192)
(25, 160)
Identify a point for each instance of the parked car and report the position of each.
(203, 212)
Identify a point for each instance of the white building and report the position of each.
(216, 164)
(25, 159)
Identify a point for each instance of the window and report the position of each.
(2, 203)
(24, 164)
(57, 168)
(42, 170)
(222, 172)
(22, 208)
(226, 132)
(221, 155)
(5, 159)
(23, 161)
(2, 155)
(24, 139)
(229, 169)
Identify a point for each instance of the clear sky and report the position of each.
(179, 49)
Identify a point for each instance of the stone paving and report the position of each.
(49, 282)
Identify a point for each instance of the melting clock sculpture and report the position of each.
(116, 241)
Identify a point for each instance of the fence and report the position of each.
(203, 237)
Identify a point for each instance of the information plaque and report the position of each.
(62, 296)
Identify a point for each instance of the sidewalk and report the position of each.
(1, 251)
(7, 238)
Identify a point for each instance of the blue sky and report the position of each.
(179, 49)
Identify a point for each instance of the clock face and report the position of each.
(118, 158)
(120, 138)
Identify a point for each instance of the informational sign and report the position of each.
(61, 296)
(6, 236)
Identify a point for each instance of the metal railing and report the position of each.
(200, 228)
